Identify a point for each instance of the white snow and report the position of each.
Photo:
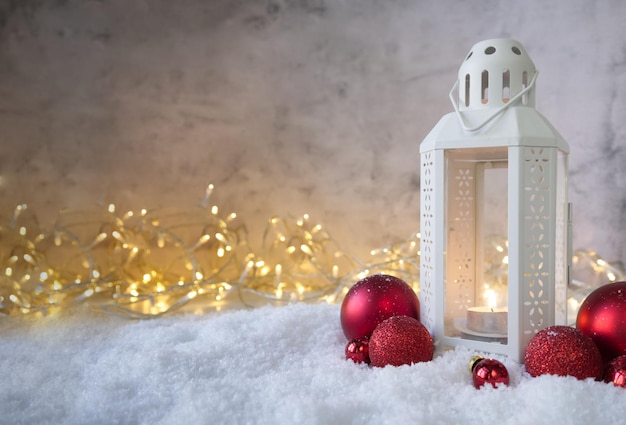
(271, 365)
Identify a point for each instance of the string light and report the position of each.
(155, 262)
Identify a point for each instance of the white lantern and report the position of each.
(495, 166)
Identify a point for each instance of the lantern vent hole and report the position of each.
(485, 87)
(490, 50)
(506, 86)
(524, 85)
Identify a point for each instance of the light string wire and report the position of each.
(149, 263)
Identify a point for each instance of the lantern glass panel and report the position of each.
(476, 287)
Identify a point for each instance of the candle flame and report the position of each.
(490, 295)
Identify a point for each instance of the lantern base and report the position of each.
(503, 346)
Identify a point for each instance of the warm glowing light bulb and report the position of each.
(362, 274)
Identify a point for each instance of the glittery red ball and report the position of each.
(400, 340)
(563, 350)
(374, 299)
(616, 372)
(489, 371)
(602, 317)
(357, 350)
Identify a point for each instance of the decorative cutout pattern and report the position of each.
(427, 265)
(537, 241)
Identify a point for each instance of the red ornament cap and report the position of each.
(400, 340)
(563, 350)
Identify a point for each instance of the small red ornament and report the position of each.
(373, 300)
(400, 340)
(357, 350)
(488, 371)
(602, 316)
(616, 372)
(563, 350)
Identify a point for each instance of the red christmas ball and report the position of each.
(357, 350)
(563, 350)
(489, 371)
(616, 372)
(602, 316)
(374, 299)
(400, 340)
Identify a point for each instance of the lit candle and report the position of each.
(488, 319)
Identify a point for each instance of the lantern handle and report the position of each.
(496, 113)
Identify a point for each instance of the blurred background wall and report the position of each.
(289, 106)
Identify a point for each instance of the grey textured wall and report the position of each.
(289, 106)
